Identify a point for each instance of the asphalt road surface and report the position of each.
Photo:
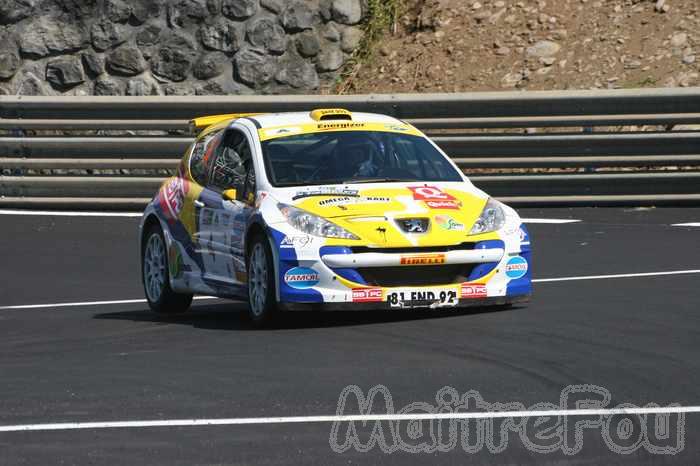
(635, 337)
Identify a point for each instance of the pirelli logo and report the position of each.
(423, 259)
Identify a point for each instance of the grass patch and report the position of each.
(381, 18)
(648, 81)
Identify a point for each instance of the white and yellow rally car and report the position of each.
(328, 210)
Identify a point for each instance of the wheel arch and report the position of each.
(150, 220)
(257, 227)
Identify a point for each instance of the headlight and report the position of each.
(312, 224)
(492, 218)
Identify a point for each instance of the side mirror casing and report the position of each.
(229, 195)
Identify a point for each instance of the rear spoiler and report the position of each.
(200, 123)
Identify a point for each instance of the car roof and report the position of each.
(268, 124)
(272, 120)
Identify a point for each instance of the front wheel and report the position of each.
(156, 276)
(262, 299)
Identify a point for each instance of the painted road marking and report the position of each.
(87, 303)
(622, 275)
(556, 221)
(350, 418)
(536, 280)
(59, 213)
(692, 224)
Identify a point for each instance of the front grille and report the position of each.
(426, 275)
(414, 250)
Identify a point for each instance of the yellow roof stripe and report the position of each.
(276, 132)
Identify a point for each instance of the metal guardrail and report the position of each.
(534, 148)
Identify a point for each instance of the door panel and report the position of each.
(223, 223)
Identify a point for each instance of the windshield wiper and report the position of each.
(379, 180)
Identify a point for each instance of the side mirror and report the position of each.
(229, 195)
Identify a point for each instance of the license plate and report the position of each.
(422, 297)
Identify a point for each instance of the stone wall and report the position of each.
(174, 47)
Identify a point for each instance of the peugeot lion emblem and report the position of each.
(414, 225)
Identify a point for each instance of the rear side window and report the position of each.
(202, 156)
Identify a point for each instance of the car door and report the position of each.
(223, 222)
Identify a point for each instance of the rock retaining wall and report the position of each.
(174, 47)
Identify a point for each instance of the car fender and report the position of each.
(257, 221)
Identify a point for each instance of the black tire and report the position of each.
(168, 302)
(262, 306)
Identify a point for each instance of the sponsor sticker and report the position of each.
(430, 193)
(441, 205)
(172, 197)
(516, 267)
(336, 126)
(448, 223)
(367, 295)
(175, 262)
(276, 132)
(338, 201)
(302, 278)
(262, 195)
(395, 127)
(296, 241)
(326, 192)
(524, 237)
(473, 291)
(423, 259)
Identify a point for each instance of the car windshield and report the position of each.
(354, 157)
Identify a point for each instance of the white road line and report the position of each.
(536, 280)
(692, 224)
(349, 418)
(555, 221)
(86, 303)
(622, 275)
(59, 213)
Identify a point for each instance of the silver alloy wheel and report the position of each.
(257, 281)
(154, 267)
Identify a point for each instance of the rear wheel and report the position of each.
(262, 297)
(156, 276)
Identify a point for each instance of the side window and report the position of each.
(233, 166)
(202, 155)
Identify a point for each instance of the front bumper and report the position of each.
(321, 276)
(385, 306)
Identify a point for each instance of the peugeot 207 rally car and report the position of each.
(330, 210)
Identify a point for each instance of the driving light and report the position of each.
(312, 224)
(492, 218)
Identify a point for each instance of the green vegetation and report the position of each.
(648, 81)
(381, 18)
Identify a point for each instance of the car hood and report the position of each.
(376, 212)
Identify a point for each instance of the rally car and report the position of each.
(327, 209)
